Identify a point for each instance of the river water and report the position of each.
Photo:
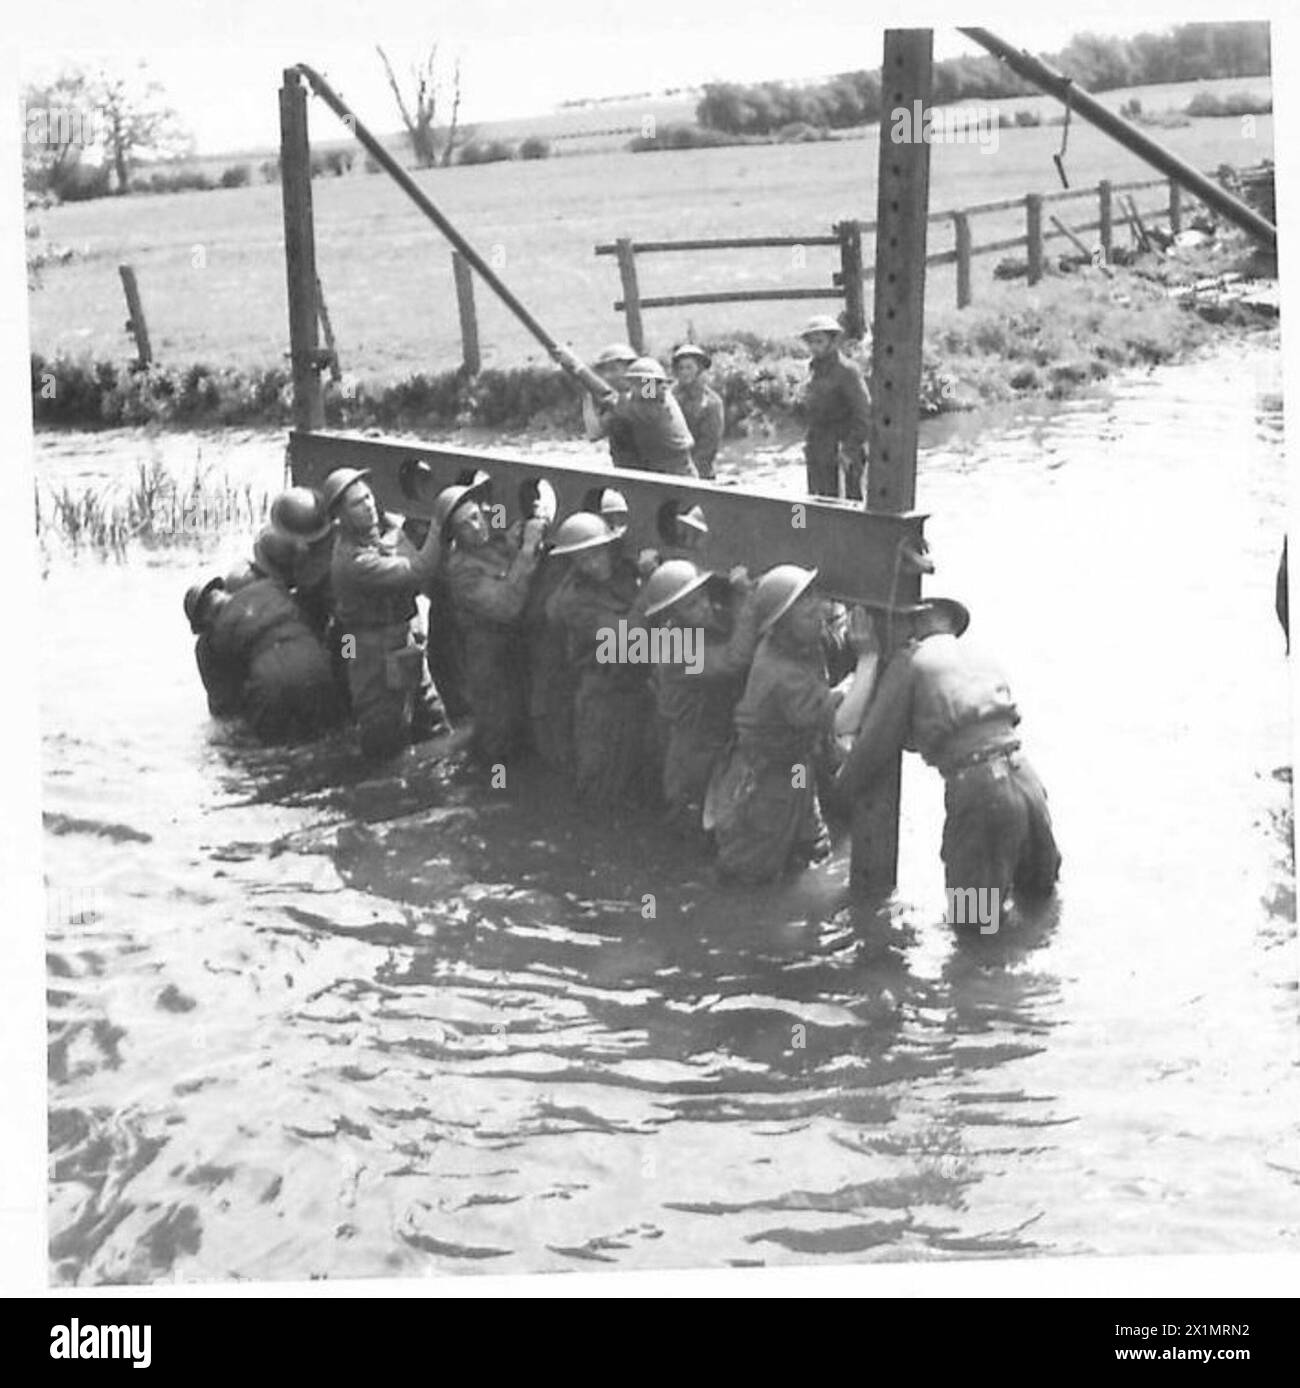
(306, 1025)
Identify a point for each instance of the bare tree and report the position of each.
(420, 115)
(453, 127)
(136, 122)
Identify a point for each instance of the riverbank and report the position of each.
(1054, 339)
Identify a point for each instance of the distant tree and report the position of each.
(59, 125)
(1099, 64)
(429, 145)
(136, 122)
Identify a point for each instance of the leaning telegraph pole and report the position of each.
(902, 207)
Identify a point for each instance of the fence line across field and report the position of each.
(847, 282)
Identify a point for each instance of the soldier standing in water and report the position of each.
(489, 578)
(375, 575)
(945, 700)
(838, 408)
(701, 405)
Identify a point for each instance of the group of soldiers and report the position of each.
(676, 426)
(738, 734)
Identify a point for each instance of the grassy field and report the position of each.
(211, 268)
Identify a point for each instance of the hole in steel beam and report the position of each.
(666, 520)
(413, 477)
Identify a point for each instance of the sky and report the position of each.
(220, 60)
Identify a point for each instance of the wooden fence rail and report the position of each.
(847, 281)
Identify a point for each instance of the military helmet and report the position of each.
(672, 581)
(646, 369)
(613, 502)
(957, 613)
(614, 510)
(694, 517)
(274, 552)
(777, 592)
(821, 323)
(299, 514)
(194, 597)
(337, 483)
(692, 349)
(451, 499)
(580, 531)
(616, 352)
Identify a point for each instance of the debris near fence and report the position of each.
(1254, 185)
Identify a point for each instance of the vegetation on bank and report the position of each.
(155, 507)
(1054, 339)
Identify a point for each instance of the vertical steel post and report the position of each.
(1175, 207)
(902, 206)
(300, 255)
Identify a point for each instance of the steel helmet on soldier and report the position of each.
(337, 483)
(274, 553)
(299, 514)
(691, 349)
(777, 592)
(451, 499)
(646, 369)
(195, 595)
(616, 352)
(672, 581)
(694, 518)
(582, 530)
(614, 509)
(821, 323)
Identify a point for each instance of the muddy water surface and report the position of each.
(304, 1024)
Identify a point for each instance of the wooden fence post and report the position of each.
(1034, 235)
(135, 323)
(631, 294)
(464, 277)
(300, 255)
(1175, 207)
(1104, 213)
(327, 328)
(855, 313)
(961, 228)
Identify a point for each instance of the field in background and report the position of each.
(211, 269)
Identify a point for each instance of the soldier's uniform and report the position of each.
(375, 579)
(696, 706)
(941, 698)
(613, 707)
(702, 409)
(660, 440)
(259, 658)
(838, 408)
(762, 802)
(489, 587)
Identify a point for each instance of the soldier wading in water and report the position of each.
(940, 697)
(838, 407)
(613, 708)
(375, 575)
(490, 577)
(762, 800)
